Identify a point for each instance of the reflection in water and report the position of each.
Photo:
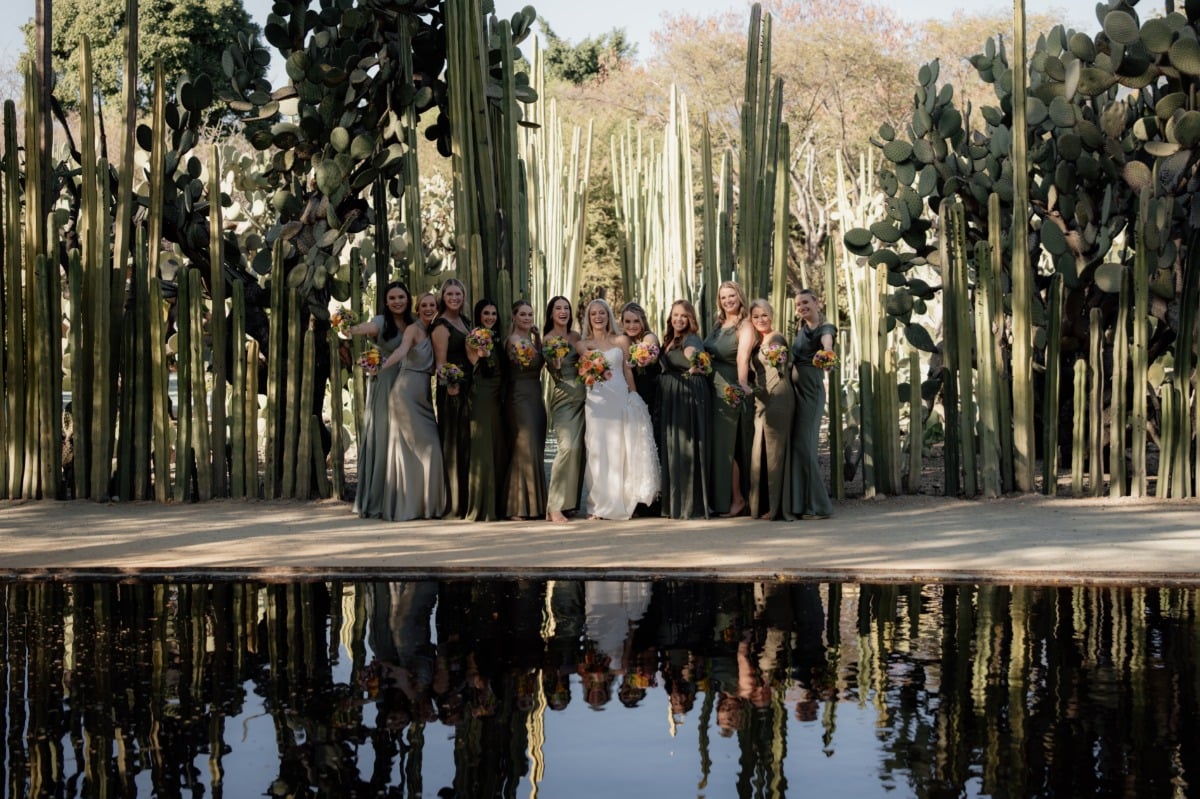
(670, 688)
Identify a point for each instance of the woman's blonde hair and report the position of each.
(742, 312)
(639, 312)
(612, 318)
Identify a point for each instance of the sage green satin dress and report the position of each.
(378, 433)
(809, 496)
(525, 486)
(771, 452)
(567, 396)
(732, 429)
(414, 473)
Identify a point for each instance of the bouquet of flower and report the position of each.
(593, 368)
(701, 361)
(775, 355)
(481, 338)
(343, 319)
(522, 354)
(369, 361)
(449, 374)
(733, 395)
(555, 347)
(642, 354)
(824, 359)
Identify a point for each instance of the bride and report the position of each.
(622, 461)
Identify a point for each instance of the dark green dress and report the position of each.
(454, 425)
(645, 380)
(567, 396)
(770, 455)
(377, 433)
(809, 496)
(525, 486)
(683, 441)
(488, 450)
(732, 428)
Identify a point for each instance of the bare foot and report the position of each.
(516, 518)
(557, 516)
(736, 509)
(592, 517)
(766, 517)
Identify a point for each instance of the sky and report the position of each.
(574, 20)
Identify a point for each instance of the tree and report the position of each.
(593, 57)
(188, 35)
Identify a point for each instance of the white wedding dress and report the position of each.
(622, 460)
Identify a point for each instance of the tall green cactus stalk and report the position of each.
(14, 318)
(1050, 393)
(357, 379)
(158, 392)
(1139, 366)
(237, 410)
(837, 432)
(154, 231)
(81, 367)
(1189, 306)
(710, 214)
(953, 297)
(139, 412)
(250, 421)
(293, 400)
(963, 342)
(303, 398)
(1000, 350)
(916, 425)
(559, 174)
(1118, 418)
(273, 439)
(1024, 452)
(1079, 428)
(988, 389)
(414, 263)
(1095, 404)
(184, 457)
(216, 324)
(201, 443)
(1168, 440)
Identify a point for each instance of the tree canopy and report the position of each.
(593, 57)
(188, 35)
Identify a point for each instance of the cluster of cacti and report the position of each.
(1100, 222)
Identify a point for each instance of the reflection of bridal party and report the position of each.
(683, 425)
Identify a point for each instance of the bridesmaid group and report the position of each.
(681, 426)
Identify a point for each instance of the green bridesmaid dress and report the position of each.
(732, 428)
(809, 497)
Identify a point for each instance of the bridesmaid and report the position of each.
(379, 428)
(450, 347)
(732, 429)
(414, 470)
(813, 333)
(525, 488)
(684, 395)
(774, 407)
(567, 397)
(487, 464)
(645, 378)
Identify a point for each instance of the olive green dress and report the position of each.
(732, 428)
(487, 467)
(567, 396)
(454, 424)
(525, 486)
(377, 434)
(645, 380)
(683, 439)
(414, 472)
(809, 497)
(771, 455)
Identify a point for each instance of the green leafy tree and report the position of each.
(188, 35)
(594, 57)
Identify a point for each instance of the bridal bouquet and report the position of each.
(449, 374)
(342, 319)
(481, 339)
(733, 395)
(369, 361)
(775, 355)
(522, 354)
(701, 361)
(642, 355)
(555, 348)
(593, 368)
(824, 359)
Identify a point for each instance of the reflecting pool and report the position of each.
(564, 688)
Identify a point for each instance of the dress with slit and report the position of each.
(525, 412)
(771, 452)
(622, 460)
(683, 436)
(454, 424)
(732, 428)
(567, 397)
(809, 496)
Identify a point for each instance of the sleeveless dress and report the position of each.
(622, 461)
(809, 496)
(732, 428)
(683, 439)
(454, 424)
(414, 470)
(567, 397)
(645, 380)
(525, 488)
(379, 432)
(770, 455)
(485, 473)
